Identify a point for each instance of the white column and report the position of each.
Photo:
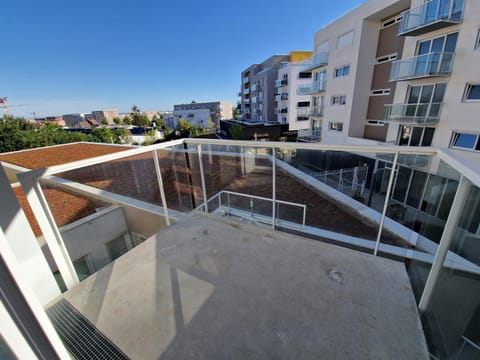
(274, 187)
(160, 186)
(445, 242)
(385, 205)
(202, 175)
(49, 228)
(20, 309)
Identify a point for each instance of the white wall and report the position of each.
(89, 235)
(24, 245)
(200, 116)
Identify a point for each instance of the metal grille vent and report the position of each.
(80, 336)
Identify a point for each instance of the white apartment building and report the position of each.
(400, 72)
(293, 91)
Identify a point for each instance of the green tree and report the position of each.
(236, 131)
(127, 120)
(184, 128)
(117, 120)
(104, 121)
(211, 124)
(139, 119)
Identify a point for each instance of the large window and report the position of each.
(415, 135)
(444, 43)
(466, 141)
(345, 40)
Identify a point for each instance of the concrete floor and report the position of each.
(212, 288)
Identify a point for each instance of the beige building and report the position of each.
(400, 72)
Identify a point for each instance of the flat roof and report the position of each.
(212, 288)
(59, 154)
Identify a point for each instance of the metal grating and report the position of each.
(79, 335)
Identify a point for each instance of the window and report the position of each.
(117, 247)
(342, 71)
(82, 267)
(444, 43)
(380, 92)
(335, 126)
(472, 92)
(391, 21)
(339, 99)
(386, 58)
(466, 141)
(345, 40)
(376, 122)
(477, 41)
(304, 75)
(303, 104)
(415, 135)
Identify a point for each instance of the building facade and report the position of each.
(73, 120)
(219, 110)
(293, 91)
(258, 91)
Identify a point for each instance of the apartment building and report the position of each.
(400, 72)
(219, 110)
(73, 120)
(293, 91)
(258, 90)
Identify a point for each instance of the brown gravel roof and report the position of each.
(66, 208)
(57, 155)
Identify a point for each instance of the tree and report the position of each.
(236, 131)
(184, 128)
(104, 121)
(139, 119)
(117, 120)
(127, 120)
(211, 124)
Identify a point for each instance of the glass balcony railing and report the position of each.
(246, 91)
(433, 64)
(424, 113)
(319, 86)
(246, 80)
(304, 90)
(280, 97)
(303, 111)
(319, 59)
(433, 15)
(379, 199)
(316, 111)
(309, 135)
(281, 82)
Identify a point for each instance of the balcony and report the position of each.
(426, 113)
(280, 97)
(246, 91)
(246, 80)
(309, 135)
(303, 111)
(433, 15)
(316, 111)
(320, 59)
(211, 212)
(281, 82)
(283, 110)
(319, 86)
(255, 87)
(304, 90)
(246, 101)
(427, 65)
(254, 100)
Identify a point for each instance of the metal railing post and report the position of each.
(445, 243)
(385, 205)
(202, 175)
(160, 186)
(274, 186)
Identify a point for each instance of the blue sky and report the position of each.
(68, 56)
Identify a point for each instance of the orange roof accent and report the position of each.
(57, 155)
